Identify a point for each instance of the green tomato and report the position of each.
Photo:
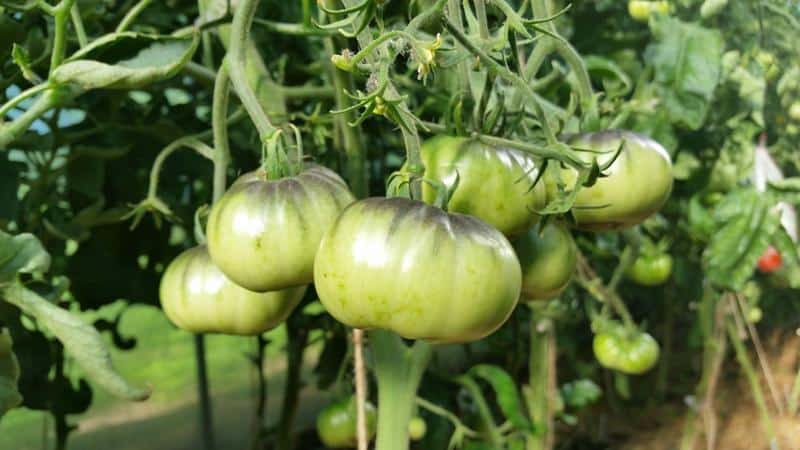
(794, 111)
(633, 354)
(651, 270)
(263, 234)
(405, 266)
(548, 258)
(754, 314)
(337, 424)
(197, 297)
(641, 11)
(417, 428)
(494, 184)
(637, 184)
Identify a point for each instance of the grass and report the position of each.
(164, 360)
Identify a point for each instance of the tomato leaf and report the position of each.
(506, 393)
(80, 340)
(744, 227)
(580, 393)
(108, 62)
(9, 375)
(687, 59)
(22, 253)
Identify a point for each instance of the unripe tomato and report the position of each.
(337, 424)
(651, 270)
(770, 261)
(633, 354)
(408, 267)
(494, 184)
(417, 428)
(197, 297)
(641, 10)
(548, 260)
(637, 184)
(263, 234)
(754, 314)
(794, 111)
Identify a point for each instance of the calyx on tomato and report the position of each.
(337, 424)
(632, 352)
(405, 266)
(263, 234)
(494, 183)
(548, 258)
(636, 184)
(197, 297)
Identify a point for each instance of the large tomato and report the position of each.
(198, 297)
(633, 353)
(411, 268)
(637, 184)
(263, 234)
(494, 184)
(337, 423)
(547, 257)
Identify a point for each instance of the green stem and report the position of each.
(293, 29)
(219, 124)
(462, 70)
(77, 23)
(752, 378)
(399, 371)
(439, 411)
(28, 93)
(61, 15)
(308, 92)
(506, 74)
(191, 142)
(588, 279)
(483, 23)
(493, 433)
(48, 100)
(208, 50)
(131, 16)
(236, 61)
(541, 379)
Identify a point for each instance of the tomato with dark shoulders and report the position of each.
(412, 268)
(197, 297)
(495, 184)
(263, 234)
(548, 257)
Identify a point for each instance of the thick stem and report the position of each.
(47, 101)
(399, 371)
(219, 115)
(28, 93)
(236, 61)
(61, 15)
(297, 341)
(541, 382)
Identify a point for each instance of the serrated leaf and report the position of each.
(9, 375)
(22, 253)
(506, 393)
(744, 227)
(158, 58)
(687, 59)
(81, 341)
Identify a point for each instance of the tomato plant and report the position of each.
(336, 423)
(547, 257)
(651, 270)
(633, 352)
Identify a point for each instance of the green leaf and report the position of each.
(744, 228)
(22, 253)
(9, 375)
(158, 58)
(23, 61)
(580, 393)
(687, 61)
(9, 185)
(506, 393)
(80, 340)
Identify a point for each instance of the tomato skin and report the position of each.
(408, 267)
(770, 261)
(548, 259)
(633, 354)
(337, 424)
(197, 297)
(263, 234)
(417, 428)
(651, 270)
(493, 183)
(638, 183)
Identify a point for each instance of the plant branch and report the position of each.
(61, 14)
(131, 15)
(77, 23)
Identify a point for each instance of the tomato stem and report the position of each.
(541, 381)
(399, 371)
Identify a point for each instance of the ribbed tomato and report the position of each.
(412, 268)
(196, 296)
(263, 234)
(494, 183)
(548, 258)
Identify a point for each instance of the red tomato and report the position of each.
(770, 261)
